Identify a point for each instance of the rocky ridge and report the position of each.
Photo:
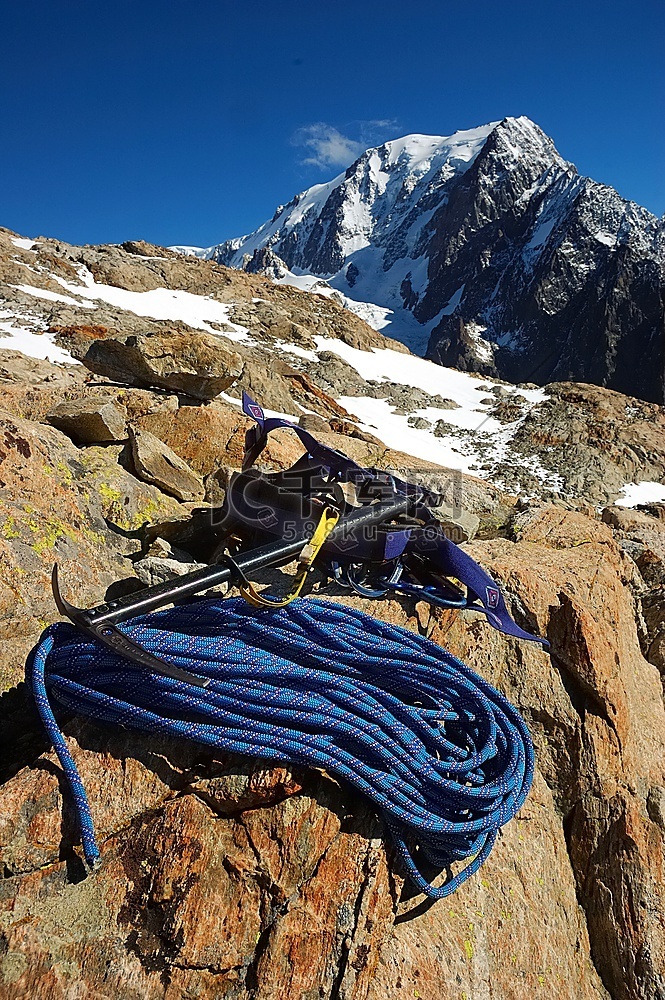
(225, 877)
(299, 352)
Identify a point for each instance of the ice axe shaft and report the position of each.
(101, 622)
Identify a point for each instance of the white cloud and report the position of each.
(326, 145)
(377, 130)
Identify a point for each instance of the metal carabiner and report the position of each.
(384, 583)
(431, 594)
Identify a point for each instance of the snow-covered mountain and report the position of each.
(485, 250)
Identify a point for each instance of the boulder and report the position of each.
(642, 536)
(208, 437)
(157, 569)
(30, 387)
(420, 423)
(349, 430)
(158, 464)
(633, 521)
(313, 423)
(90, 420)
(279, 386)
(507, 411)
(338, 377)
(459, 525)
(216, 484)
(19, 368)
(442, 429)
(127, 503)
(164, 562)
(193, 534)
(194, 363)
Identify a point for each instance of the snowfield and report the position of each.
(198, 311)
(463, 452)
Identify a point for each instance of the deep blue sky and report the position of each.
(186, 122)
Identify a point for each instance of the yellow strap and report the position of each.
(310, 550)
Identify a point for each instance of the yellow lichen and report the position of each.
(65, 473)
(108, 494)
(46, 531)
(9, 529)
(146, 513)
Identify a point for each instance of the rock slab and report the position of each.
(197, 364)
(158, 464)
(91, 420)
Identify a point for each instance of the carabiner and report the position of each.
(431, 594)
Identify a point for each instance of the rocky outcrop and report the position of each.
(603, 758)
(57, 504)
(593, 439)
(641, 535)
(31, 287)
(285, 883)
(286, 343)
(85, 507)
(195, 364)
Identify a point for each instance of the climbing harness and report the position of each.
(442, 755)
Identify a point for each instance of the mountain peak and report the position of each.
(484, 248)
(415, 149)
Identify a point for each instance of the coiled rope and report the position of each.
(444, 757)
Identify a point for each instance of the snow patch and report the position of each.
(482, 347)
(198, 311)
(475, 436)
(377, 417)
(609, 239)
(453, 302)
(462, 450)
(43, 293)
(306, 283)
(187, 251)
(23, 244)
(378, 317)
(384, 364)
(643, 492)
(300, 352)
(34, 343)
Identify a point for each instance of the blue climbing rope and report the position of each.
(444, 757)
